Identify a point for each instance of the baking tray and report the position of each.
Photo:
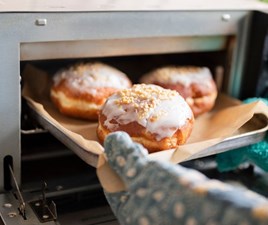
(229, 125)
(251, 132)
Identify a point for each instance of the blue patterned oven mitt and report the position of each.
(163, 193)
(256, 154)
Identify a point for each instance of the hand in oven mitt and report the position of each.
(256, 154)
(162, 193)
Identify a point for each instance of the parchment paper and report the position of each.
(211, 128)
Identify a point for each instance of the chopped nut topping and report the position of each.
(144, 98)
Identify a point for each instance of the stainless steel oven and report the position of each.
(230, 42)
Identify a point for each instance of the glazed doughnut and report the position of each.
(195, 84)
(81, 90)
(155, 117)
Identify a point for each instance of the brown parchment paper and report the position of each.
(36, 86)
(223, 121)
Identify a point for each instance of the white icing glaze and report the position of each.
(84, 76)
(183, 75)
(163, 118)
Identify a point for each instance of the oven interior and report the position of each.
(72, 184)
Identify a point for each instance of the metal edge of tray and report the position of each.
(233, 142)
(89, 157)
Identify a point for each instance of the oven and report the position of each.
(37, 168)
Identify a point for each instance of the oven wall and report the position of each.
(37, 36)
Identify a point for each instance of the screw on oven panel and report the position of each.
(41, 22)
(37, 204)
(12, 214)
(226, 17)
(7, 205)
(45, 216)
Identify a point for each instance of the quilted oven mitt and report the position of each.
(163, 193)
(255, 154)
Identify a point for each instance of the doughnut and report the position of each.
(153, 116)
(195, 84)
(80, 90)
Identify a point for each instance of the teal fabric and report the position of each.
(161, 193)
(256, 154)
